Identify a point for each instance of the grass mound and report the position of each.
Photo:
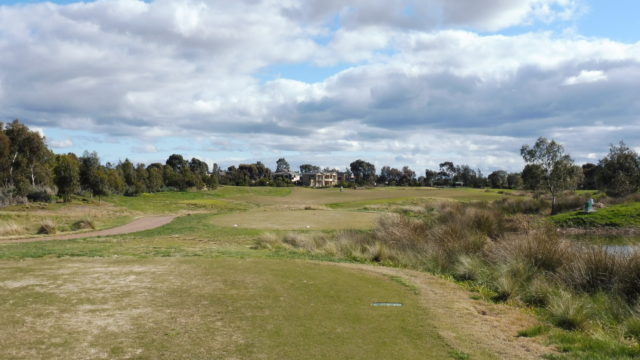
(621, 215)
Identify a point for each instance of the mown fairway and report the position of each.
(195, 288)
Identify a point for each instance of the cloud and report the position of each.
(414, 84)
(586, 77)
(61, 144)
(145, 149)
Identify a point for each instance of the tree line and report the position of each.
(29, 170)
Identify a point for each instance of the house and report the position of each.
(319, 179)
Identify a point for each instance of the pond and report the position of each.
(619, 244)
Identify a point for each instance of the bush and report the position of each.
(47, 227)
(9, 195)
(41, 194)
(83, 224)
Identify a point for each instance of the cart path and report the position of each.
(141, 224)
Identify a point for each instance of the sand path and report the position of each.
(141, 224)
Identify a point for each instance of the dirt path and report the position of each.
(145, 223)
(480, 329)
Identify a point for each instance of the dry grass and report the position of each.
(206, 309)
(11, 228)
(48, 227)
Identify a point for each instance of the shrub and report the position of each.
(47, 227)
(41, 194)
(83, 224)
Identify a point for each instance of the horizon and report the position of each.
(391, 82)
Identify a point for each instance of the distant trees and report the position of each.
(29, 170)
(308, 168)
(556, 168)
(498, 179)
(27, 160)
(620, 171)
(282, 166)
(364, 173)
(67, 175)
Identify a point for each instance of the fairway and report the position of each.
(206, 309)
(299, 220)
(199, 288)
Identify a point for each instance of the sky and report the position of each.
(393, 82)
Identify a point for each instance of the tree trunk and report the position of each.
(33, 177)
(13, 161)
(554, 205)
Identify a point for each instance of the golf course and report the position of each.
(198, 287)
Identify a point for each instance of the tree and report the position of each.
(620, 171)
(591, 174)
(498, 179)
(5, 151)
(408, 177)
(28, 157)
(557, 169)
(177, 163)
(514, 181)
(308, 168)
(282, 166)
(430, 177)
(364, 172)
(532, 177)
(89, 165)
(67, 175)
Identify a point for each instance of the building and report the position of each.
(320, 179)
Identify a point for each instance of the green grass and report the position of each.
(579, 345)
(207, 308)
(623, 215)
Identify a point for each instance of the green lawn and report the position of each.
(623, 215)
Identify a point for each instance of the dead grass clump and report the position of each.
(47, 226)
(541, 249)
(11, 228)
(83, 224)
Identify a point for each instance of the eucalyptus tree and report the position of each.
(556, 167)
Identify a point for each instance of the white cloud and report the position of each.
(147, 148)
(586, 77)
(127, 68)
(61, 144)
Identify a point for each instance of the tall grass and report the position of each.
(11, 228)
